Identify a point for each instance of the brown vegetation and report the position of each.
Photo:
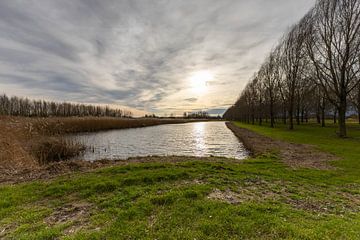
(294, 155)
(55, 149)
(94, 124)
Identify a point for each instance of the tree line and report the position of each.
(196, 115)
(16, 106)
(314, 71)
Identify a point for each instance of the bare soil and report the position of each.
(294, 155)
(258, 190)
(77, 213)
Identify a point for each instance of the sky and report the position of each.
(159, 56)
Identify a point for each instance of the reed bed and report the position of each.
(56, 149)
(92, 124)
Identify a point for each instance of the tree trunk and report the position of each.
(302, 115)
(358, 102)
(298, 114)
(253, 117)
(335, 117)
(342, 116)
(318, 120)
(323, 112)
(291, 112)
(272, 113)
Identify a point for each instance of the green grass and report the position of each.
(324, 139)
(264, 199)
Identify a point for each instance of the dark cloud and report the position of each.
(137, 53)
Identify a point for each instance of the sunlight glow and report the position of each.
(199, 81)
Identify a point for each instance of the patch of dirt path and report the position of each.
(294, 155)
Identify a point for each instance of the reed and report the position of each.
(55, 149)
(51, 126)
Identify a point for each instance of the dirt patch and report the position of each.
(225, 196)
(321, 201)
(5, 230)
(75, 213)
(69, 212)
(190, 182)
(294, 155)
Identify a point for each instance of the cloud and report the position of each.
(136, 53)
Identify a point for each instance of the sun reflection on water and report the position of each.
(190, 139)
(199, 137)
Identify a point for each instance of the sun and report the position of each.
(199, 81)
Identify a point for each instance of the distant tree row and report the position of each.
(199, 115)
(15, 106)
(150, 116)
(314, 71)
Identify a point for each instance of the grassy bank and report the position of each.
(324, 139)
(190, 198)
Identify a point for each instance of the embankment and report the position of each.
(293, 154)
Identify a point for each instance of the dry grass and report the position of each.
(55, 149)
(92, 124)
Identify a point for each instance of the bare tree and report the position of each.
(270, 74)
(333, 47)
(293, 56)
(16, 106)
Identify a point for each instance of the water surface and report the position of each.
(190, 139)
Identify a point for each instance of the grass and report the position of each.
(324, 139)
(259, 198)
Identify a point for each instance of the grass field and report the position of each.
(259, 198)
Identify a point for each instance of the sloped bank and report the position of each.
(293, 154)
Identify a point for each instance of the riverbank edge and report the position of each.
(292, 154)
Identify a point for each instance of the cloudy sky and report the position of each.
(158, 56)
